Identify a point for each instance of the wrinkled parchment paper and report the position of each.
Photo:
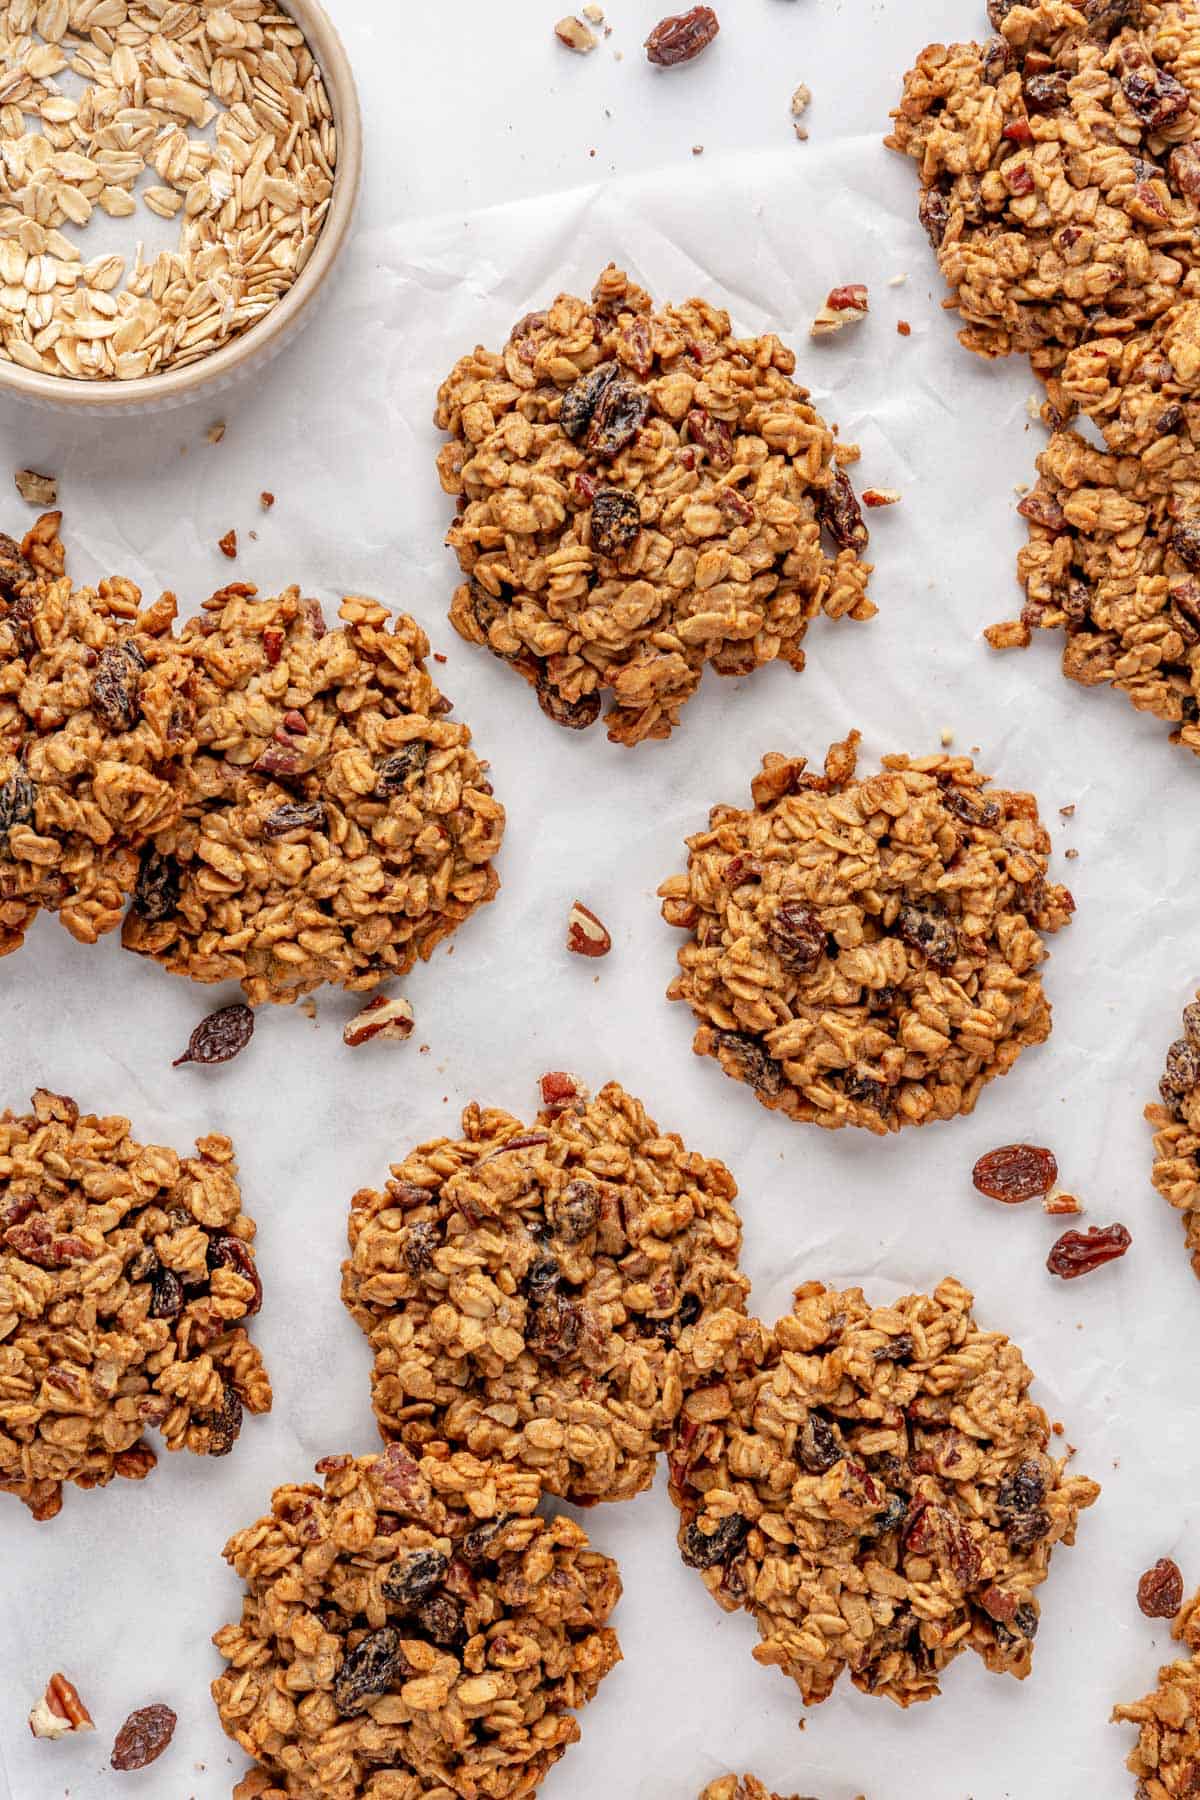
(123, 1590)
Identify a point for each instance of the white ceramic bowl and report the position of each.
(270, 333)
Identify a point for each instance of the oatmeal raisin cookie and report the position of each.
(1176, 1119)
(1166, 1757)
(91, 720)
(872, 1485)
(336, 823)
(412, 1629)
(127, 1278)
(640, 493)
(740, 1787)
(1060, 169)
(532, 1293)
(1113, 558)
(865, 951)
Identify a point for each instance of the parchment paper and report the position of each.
(467, 107)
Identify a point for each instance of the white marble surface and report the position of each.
(481, 200)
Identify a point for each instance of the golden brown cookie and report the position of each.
(872, 1485)
(412, 1629)
(127, 1279)
(336, 823)
(531, 1294)
(1059, 169)
(865, 951)
(641, 493)
(92, 721)
(1166, 1758)
(1176, 1118)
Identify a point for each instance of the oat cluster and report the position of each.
(92, 718)
(335, 824)
(222, 102)
(1176, 1119)
(739, 1787)
(532, 1294)
(866, 951)
(872, 1484)
(127, 1279)
(641, 493)
(1113, 557)
(1166, 1758)
(411, 1629)
(1059, 169)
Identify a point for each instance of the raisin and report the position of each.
(928, 929)
(542, 1278)
(618, 416)
(298, 816)
(1016, 1172)
(1106, 17)
(575, 715)
(143, 1737)
(420, 1242)
(1160, 1590)
(688, 1311)
(1042, 509)
(1184, 165)
(157, 892)
(713, 436)
(839, 512)
(395, 771)
(704, 1550)
(1026, 1620)
(933, 212)
(1169, 421)
(869, 1090)
(1023, 1489)
(897, 1349)
(224, 1425)
(1156, 97)
(113, 697)
(577, 1212)
(1191, 1021)
(412, 1578)
(18, 799)
(228, 1252)
(1079, 1252)
(1024, 1530)
(477, 1547)
(166, 1295)
(1182, 1070)
(219, 1037)
(890, 1519)
(1045, 93)
(764, 1074)
(368, 1671)
(15, 569)
(441, 1618)
(1185, 542)
(996, 62)
(582, 397)
(797, 937)
(616, 520)
(682, 36)
(998, 11)
(817, 1445)
(971, 809)
(554, 1327)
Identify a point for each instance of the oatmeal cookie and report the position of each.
(1114, 532)
(1166, 1758)
(872, 1485)
(91, 720)
(1176, 1121)
(412, 1629)
(1059, 169)
(127, 1278)
(640, 493)
(740, 1787)
(532, 1294)
(336, 824)
(865, 952)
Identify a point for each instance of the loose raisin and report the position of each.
(839, 512)
(797, 937)
(1016, 1172)
(395, 771)
(143, 1737)
(412, 1578)
(682, 36)
(928, 930)
(616, 520)
(308, 815)
(219, 1037)
(157, 892)
(18, 800)
(1160, 1590)
(1079, 1252)
(705, 1549)
(368, 1671)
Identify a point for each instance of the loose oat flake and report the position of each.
(444, 1633)
(872, 1485)
(224, 106)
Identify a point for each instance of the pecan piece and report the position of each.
(586, 935)
(379, 1018)
(60, 1711)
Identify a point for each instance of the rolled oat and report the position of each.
(532, 1294)
(871, 1484)
(127, 1278)
(865, 951)
(412, 1628)
(641, 493)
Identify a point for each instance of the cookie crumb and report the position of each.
(897, 280)
(874, 497)
(947, 737)
(228, 545)
(216, 431)
(38, 490)
(697, 149)
(266, 500)
(846, 305)
(1067, 812)
(903, 328)
(575, 35)
(1070, 855)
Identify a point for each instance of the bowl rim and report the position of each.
(180, 384)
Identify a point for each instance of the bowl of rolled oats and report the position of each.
(179, 177)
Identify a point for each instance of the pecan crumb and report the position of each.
(379, 1018)
(846, 305)
(39, 490)
(586, 936)
(216, 432)
(560, 1090)
(881, 497)
(572, 32)
(266, 500)
(227, 545)
(903, 328)
(1061, 1203)
(60, 1711)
